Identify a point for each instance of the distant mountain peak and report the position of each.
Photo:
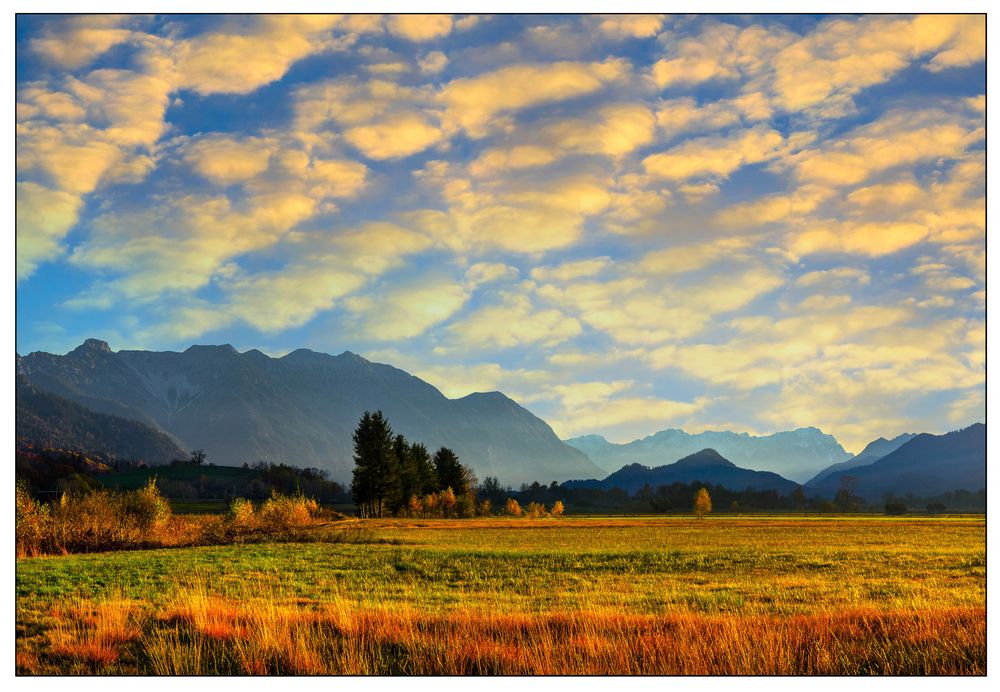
(706, 457)
(90, 346)
(207, 348)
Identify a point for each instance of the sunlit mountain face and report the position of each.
(625, 223)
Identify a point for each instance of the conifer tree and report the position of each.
(376, 481)
(426, 474)
(451, 473)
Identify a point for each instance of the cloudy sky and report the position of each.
(625, 223)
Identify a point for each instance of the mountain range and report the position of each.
(925, 465)
(795, 454)
(301, 408)
(873, 451)
(706, 465)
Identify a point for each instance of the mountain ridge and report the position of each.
(794, 454)
(873, 451)
(926, 465)
(301, 407)
(706, 466)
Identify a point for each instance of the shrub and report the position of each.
(241, 513)
(283, 512)
(536, 510)
(513, 508)
(32, 525)
(147, 507)
(557, 509)
(485, 507)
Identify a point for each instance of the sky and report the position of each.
(625, 223)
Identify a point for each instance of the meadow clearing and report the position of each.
(577, 595)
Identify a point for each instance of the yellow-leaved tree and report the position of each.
(702, 503)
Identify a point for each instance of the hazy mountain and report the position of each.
(875, 450)
(796, 454)
(301, 408)
(926, 465)
(47, 421)
(707, 466)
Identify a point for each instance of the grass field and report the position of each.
(723, 595)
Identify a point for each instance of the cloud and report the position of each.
(513, 322)
(490, 272)
(621, 26)
(396, 136)
(783, 207)
(819, 72)
(569, 271)
(44, 216)
(682, 115)
(623, 412)
(433, 62)
(691, 258)
(420, 27)
(715, 156)
(408, 309)
(275, 301)
(241, 59)
(871, 239)
(835, 276)
(524, 215)
(897, 138)
(76, 41)
(635, 311)
(188, 239)
(613, 130)
(225, 160)
(473, 103)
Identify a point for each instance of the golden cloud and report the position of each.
(513, 322)
(472, 103)
(76, 41)
(44, 217)
(408, 309)
(395, 136)
(420, 27)
(715, 156)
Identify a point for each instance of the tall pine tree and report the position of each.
(376, 481)
(426, 474)
(408, 480)
(451, 473)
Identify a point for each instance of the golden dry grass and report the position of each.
(198, 633)
(570, 596)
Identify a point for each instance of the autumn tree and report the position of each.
(513, 507)
(557, 509)
(702, 503)
(447, 499)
